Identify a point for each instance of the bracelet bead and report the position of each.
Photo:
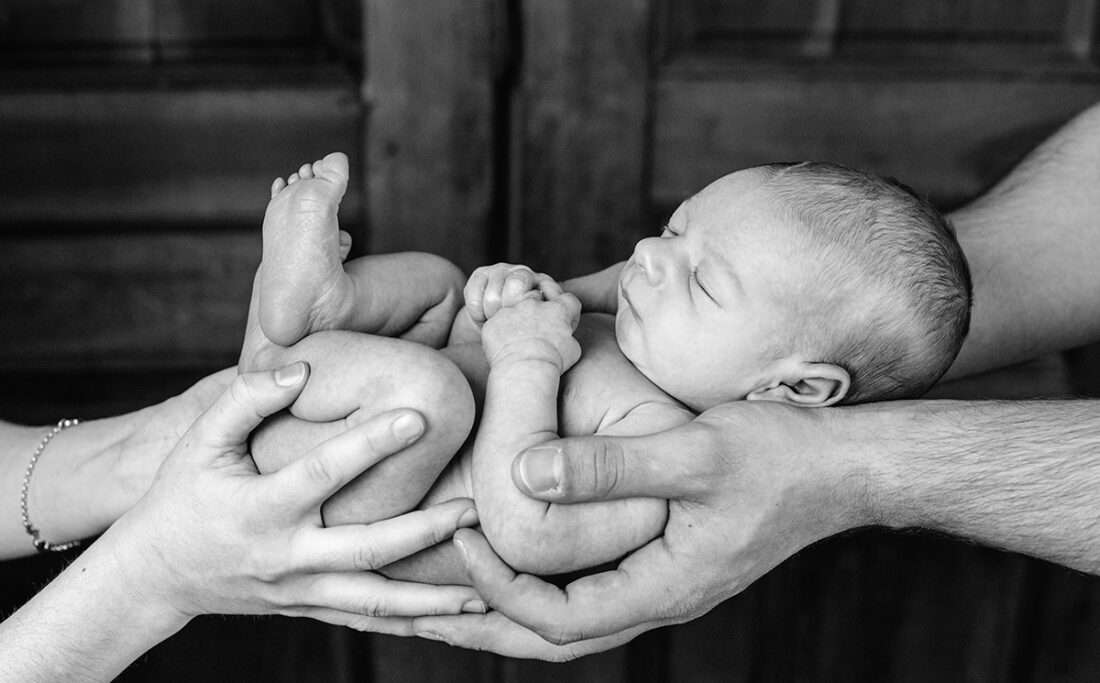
(41, 544)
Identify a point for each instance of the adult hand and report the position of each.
(212, 535)
(749, 484)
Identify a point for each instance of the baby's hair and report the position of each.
(906, 311)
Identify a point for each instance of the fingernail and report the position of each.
(289, 375)
(462, 551)
(468, 518)
(475, 606)
(407, 427)
(541, 468)
(430, 636)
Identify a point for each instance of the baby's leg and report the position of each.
(353, 377)
(304, 287)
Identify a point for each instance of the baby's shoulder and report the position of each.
(604, 387)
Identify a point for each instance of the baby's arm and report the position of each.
(528, 347)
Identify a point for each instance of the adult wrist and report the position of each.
(70, 484)
(868, 444)
(145, 574)
(896, 444)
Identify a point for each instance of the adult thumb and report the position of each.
(600, 468)
(250, 397)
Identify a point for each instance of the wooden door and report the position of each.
(626, 108)
(554, 133)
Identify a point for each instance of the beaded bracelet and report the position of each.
(40, 544)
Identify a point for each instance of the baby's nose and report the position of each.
(647, 256)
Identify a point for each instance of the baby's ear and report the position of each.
(810, 385)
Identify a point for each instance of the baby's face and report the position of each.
(697, 305)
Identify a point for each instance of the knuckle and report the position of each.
(319, 469)
(434, 535)
(240, 390)
(376, 604)
(559, 635)
(604, 468)
(367, 558)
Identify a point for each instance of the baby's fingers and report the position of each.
(474, 294)
(548, 287)
(570, 307)
(518, 283)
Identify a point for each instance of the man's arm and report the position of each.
(1033, 242)
(758, 482)
(766, 480)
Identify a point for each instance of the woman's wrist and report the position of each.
(77, 490)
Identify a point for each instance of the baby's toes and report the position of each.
(292, 179)
(277, 187)
(334, 166)
(306, 171)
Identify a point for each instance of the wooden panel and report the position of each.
(152, 31)
(580, 136)
(122, 301)
(431, 150)
(929, 31)
(946, 138)
(192, 155)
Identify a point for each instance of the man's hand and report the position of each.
(491, 288)
(535, 329)
(749, 484)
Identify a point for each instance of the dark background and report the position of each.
(140, 137)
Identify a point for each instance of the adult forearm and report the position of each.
(69, 495)
(1023, 476)
(598, 292)
(1032, 242)
(87, 625)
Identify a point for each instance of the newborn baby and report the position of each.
(811, 284)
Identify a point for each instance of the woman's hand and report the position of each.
(214, 536)
(749, 484)
(157, 430)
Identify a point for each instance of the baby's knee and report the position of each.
(429, 383)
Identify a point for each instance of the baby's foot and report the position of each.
(303, 286)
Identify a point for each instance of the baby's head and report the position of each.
(809, 283)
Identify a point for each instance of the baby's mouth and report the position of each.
(629, 303)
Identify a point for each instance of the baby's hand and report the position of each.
(535, 329)
(491, 288)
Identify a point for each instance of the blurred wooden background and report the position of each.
(140, 138)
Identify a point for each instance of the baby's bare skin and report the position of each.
(356, 374)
